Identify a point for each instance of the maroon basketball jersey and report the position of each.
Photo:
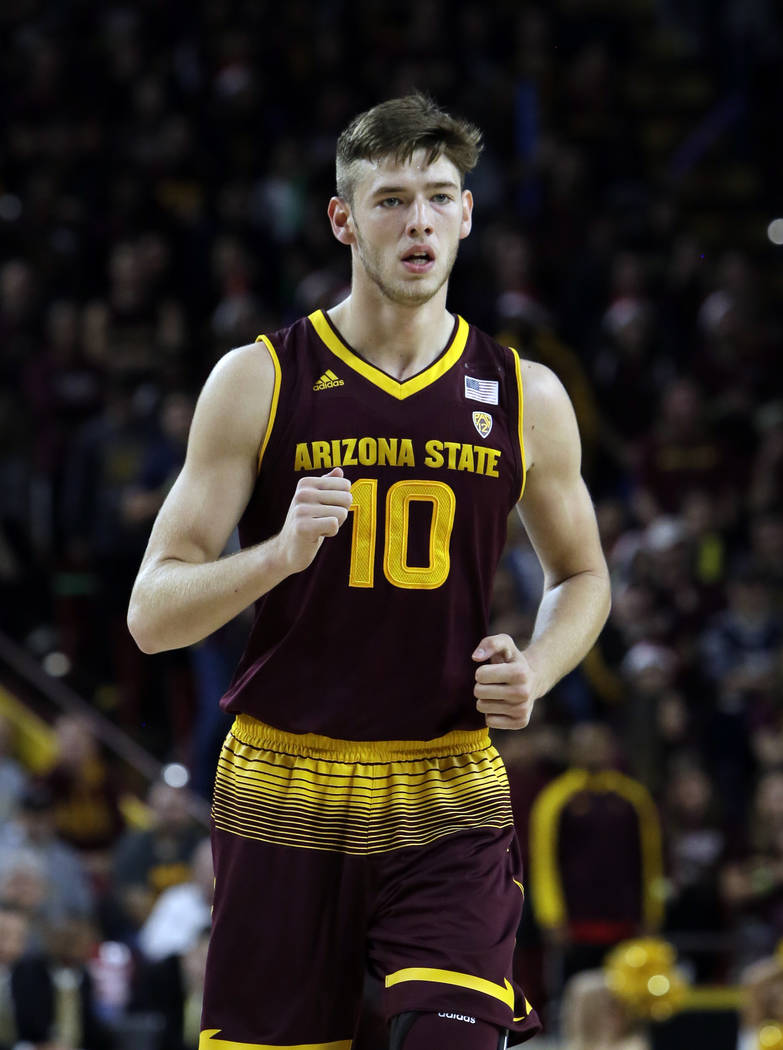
(373, 641)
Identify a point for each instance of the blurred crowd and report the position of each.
(164, 173)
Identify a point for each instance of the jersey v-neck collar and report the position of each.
(330, 337)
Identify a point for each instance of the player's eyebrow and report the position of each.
(435, 185)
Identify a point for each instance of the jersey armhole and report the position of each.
(275, 397)
(521, 407)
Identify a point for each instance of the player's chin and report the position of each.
(415, 294)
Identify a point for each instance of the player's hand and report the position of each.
(318, 509)
(505, 685)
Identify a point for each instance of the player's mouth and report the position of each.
(419, 259)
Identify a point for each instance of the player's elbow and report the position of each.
(143, 639)
(140, 626)
(603, 587)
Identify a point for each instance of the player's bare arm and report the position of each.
(184, 590)
(558, 514)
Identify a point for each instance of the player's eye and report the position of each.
(441, 198)
(390, 202)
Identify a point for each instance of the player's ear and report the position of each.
(467, 214)
(339, 212)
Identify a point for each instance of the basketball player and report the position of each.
(371, 455)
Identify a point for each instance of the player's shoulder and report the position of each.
(480, 344)
(260, 358)
(540, 383)
(287, 338)
(551, 432)
(243, 368)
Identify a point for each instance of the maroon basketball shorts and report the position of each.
(332, 856)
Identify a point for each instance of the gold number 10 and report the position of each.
(395, 552)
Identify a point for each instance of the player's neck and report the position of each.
(400, 340)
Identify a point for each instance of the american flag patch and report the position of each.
(485, 390)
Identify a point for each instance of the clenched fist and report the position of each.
(505, 687)
(318, 509)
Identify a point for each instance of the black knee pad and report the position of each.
(401, 1025)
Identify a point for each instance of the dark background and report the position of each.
(164, 174)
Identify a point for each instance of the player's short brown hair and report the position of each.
(397, 128)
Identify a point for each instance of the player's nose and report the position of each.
(419, 218)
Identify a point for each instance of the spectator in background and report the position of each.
(706, 528)
(739, 655)
(766, 550)
(695, 846)
(734, 351)
(680, 453)
(21, 582)
(24, 887)
(53, 994)
(33, 834)
(752, 880)
(667, 564)
(13, 942)
(593, 1018)
(762, 984)
(172, 988)
(12, 777)
(105, 460)
(766, 482)
(63, 389)
(161, 462)
(653, 720)
(624, 369)
(87, 812)
(588, 813)
(181, 912)
(150, 861)
(19, 324)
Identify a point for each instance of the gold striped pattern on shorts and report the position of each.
(356, 797)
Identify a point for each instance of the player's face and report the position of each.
(407, 221)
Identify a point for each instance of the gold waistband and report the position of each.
(257, 734)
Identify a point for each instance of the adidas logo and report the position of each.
(328, 380)
(459, 1017)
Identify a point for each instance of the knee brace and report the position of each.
(432, 1031)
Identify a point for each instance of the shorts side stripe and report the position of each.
(504, 992)
(207, 1041)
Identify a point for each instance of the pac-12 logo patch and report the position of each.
(482, 421)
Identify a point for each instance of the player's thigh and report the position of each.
(444, 939)
(286, 952)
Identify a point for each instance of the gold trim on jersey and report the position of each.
(357, 797)
(518, 370)
(391, 386)
(504, 992)
(275, 395)
(207, 1041)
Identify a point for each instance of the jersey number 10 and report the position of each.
(395, 538)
